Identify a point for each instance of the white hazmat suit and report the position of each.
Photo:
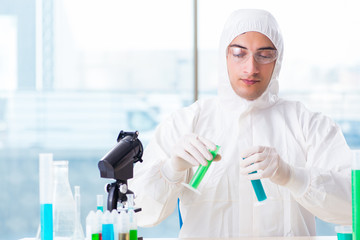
(311, 143)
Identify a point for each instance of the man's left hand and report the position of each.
(268, 164)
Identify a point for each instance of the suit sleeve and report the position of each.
(323, 187)
(156, 186)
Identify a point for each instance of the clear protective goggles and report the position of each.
(240, 54)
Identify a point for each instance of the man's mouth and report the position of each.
(250, 81)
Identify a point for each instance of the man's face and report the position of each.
(248, 65)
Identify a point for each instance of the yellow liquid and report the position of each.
(124, 236)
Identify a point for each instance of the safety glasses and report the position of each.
(240, 54)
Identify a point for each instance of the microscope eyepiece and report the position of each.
(118, 162)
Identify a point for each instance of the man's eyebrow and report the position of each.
(237, 45)
(262, 48)
(267, 48)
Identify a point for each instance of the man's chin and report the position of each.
(247, 93)
(248, 96)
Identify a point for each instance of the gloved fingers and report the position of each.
(250, 151)
(254, 158)
(261, 166)
(192, 148)
(249, 169)
(188, 157)
(259, 158)
(264, 162)
(272, 162)
(245, 162)
(268, 160)
(209, 144)
(203, 145)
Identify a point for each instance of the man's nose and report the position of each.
(250, 66)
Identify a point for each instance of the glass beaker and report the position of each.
(63, 201)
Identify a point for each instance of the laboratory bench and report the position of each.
(259, 238)
(242, 238)
(253, 238)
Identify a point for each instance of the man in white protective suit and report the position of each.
(301, 157)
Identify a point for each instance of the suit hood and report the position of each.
(239, 22)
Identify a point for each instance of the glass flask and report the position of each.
(63, 202)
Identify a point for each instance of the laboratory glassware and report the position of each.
(100, 202)
(46, 200)
(123, 225)
(78, 230)
(64, 203)
(200, 173)
(132, 217)
(107, 226)
(355, 183)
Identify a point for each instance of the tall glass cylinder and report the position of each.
(78, 232)
(355, 182)
(46, 191)
(64, 203)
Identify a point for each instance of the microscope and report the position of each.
(118, 164)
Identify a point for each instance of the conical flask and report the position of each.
(63, 202)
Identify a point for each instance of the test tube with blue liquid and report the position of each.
(200, 173)
(46, 195)
(100, 202)
(107, 226)
(258, 189)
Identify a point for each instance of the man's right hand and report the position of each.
(192, 150)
